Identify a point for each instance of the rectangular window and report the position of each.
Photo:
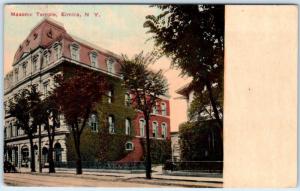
(24, 69)
(127, 126)
(45, 85)
(111, 124)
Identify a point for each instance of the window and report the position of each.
(16, 130)
(129, 146)
(74, 49)
(57, 48)
(12, 132)
(127, 126)
(16, 74)
(94, 122)
(127, 99)
(142, 127)
(34, 63)
(46, 59)
(110, 95)
(110, 65)
(163, 130)
(111, 124)
(58, 155)
(25, 154)
(45, 85)
(163, 109)
(5, 133)
(154, 110)
(93, 58)
(154, 129)
(24, 67)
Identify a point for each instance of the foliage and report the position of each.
(101, 145)
(160, 150)
(23, 108)
(193, 37)
(200, 141)
(146, 87)
(76, 96)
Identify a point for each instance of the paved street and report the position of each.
(63, 179)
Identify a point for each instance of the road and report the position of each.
(89, 180)
(19, 179)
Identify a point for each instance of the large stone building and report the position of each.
(42, 54)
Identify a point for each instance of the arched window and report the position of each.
(163, 130)
(74, 50)
(154, 129)
(25, 154)
(94, 123)
(154, 110)
(129, 146)
(163, 109)
(93, 59)
(127, 126)
(57, 149)
(110, 62)
(44, 155)
(142, 127)
(111, 124)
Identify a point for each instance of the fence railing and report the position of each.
(103, 165)
(200, 166)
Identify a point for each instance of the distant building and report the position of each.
(49, 50)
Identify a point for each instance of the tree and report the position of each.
(76, 95)
(49, 116)
(22, 107)
(146, 87)
(193, 37)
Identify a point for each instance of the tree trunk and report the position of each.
(50, 157)
(148, 156)
(32, 163)
(40, 150)
(77, 148)
(215, 109)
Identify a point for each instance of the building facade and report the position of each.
(45, 52)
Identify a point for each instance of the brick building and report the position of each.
(39, 57)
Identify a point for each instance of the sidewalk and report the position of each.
(137, 177)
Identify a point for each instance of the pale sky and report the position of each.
(119, 28)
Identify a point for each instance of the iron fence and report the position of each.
(103, 165)
(200, 166)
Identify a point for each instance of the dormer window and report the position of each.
(93, 58)
(17, 74)
(110, 65)
(35, 35)
(49, 33)
(57, 48)
(74, 49)
(27, 42)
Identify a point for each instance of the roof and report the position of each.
(47, 32)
